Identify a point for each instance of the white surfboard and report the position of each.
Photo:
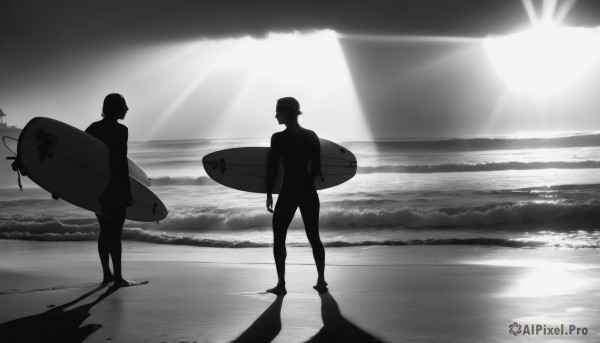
(245, 169)
(136, 172)
(74, 166)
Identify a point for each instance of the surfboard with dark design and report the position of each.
(74, 166)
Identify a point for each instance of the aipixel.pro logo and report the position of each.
(516, 329)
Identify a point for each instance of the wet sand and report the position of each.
(389, 294)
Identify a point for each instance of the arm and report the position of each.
(126, 167)
(119, 164)
(315, 157)
(93, 131)
(272, 166)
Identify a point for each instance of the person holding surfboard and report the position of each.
(117, 196)
(299, 150)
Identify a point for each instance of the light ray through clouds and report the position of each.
(435, 82)
(471, 45)
(227, 88)
(527, 103)
(308, 66)
(551, 12)
(564, 10)
(528, 4)
(176, 104)
(442, 61)
(548, 10)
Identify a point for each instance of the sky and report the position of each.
(360, 69)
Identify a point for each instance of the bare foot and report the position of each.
(278, 290)
(321, 287)
(127, 283)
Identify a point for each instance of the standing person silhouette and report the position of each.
(300, 151)
(117, 196)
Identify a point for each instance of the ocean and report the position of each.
(512, 192)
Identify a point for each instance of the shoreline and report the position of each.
(390, 294)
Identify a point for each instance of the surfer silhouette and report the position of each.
(299, 149)
(117, 197)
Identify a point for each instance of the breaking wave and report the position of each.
(477, 167)
(138, 234)
(482, 144)
(182, 181)
(514, 217)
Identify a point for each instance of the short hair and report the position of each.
(112, 103)
(288, 105)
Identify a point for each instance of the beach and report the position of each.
(389, 294)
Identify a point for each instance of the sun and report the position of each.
(546, 59)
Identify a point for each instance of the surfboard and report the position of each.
(74, 166)
(138, 173)
(245, 168)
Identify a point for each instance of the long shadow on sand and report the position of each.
(336, 328)
(266, 327)
(56, 324)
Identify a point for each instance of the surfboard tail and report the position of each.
(16, 165)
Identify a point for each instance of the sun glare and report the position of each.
(545, 59)
(541, 278)
(288, 54)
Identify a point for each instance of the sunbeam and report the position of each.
(563, 10)
(176, 104)
(528, 4)
(251, 74)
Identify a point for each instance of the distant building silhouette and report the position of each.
(5, 130)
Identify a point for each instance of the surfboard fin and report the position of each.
(18, 167)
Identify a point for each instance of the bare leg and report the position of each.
(280, 254)
(282, 217)
(309, 208)
(115, 253)
(117, 219)
(103, 249)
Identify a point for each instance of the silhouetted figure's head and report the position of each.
(288, 110)
(114, 106)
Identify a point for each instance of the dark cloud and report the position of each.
(234, 17)
(72, 21)
(57, 25)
